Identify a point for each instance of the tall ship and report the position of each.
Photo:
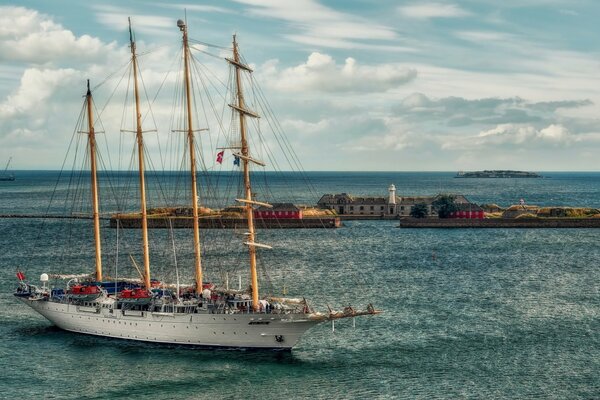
(203, 313)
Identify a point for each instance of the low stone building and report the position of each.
(393, 206)
(346, 204)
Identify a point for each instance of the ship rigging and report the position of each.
(201, 313)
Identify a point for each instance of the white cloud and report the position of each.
(484, 36)
(307, 127)
(513, 136)
(321, 73)
(115, 18)
(568, 12)
(433, 10)
(32, 117)
(26, 35)
(555, 133)
(38, 111)
(37, 86)
(337, 43)
(458, 111)
(387, 142)
(320, 25)
(196, 7)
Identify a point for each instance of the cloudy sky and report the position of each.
(356, 84)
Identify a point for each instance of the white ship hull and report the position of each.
(244, 331)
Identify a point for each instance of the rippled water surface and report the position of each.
(468, 313)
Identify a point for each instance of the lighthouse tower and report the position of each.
(392, 198)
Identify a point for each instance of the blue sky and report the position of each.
(357, 85)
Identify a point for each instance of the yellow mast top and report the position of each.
(246, 168)
(190, 136)
(140, 145)
(94, 182)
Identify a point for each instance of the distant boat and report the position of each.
(497, 174)
(5, 175)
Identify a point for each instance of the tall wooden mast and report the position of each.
(245, 158)
(94, 182)
(192, 149)
(140, 145)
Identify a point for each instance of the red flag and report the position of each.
(20, 276)
(220, 156)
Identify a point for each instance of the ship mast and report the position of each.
(7, 164)
(192, 149)
(246, 159)
(94, 182)
(140, 145)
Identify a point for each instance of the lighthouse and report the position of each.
(392, 198)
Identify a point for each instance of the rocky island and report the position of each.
(497, 174)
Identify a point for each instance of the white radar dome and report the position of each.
(44, 278)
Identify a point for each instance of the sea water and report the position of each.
(468, 313)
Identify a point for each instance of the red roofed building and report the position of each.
(279, 211)
(468, 211)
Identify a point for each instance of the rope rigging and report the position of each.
(220, 182)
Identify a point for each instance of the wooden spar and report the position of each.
(248, 158)
(239, 64)
(94, 182)
(244, 110)
(247, 187)
(262, 246)
(190, 135)
(256, 203)
(140, 145)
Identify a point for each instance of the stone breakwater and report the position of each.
(500, 223)
(227, 223)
